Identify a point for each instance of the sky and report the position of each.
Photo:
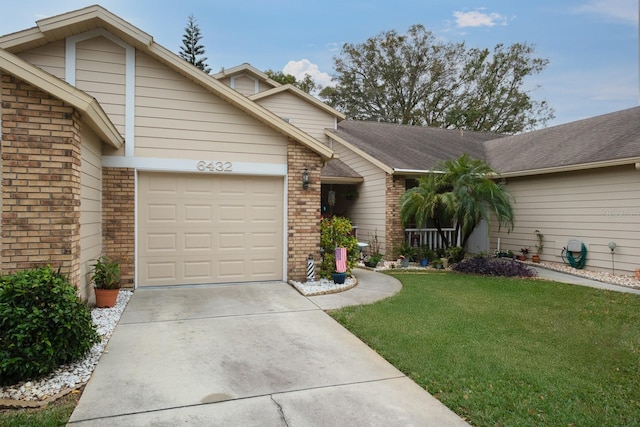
(591, 45)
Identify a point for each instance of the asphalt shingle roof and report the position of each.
(598, 139)
(411, 147)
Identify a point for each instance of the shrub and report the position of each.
(43, 324)
(337, 233)
(505, 267)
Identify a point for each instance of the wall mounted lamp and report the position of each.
(305, 178)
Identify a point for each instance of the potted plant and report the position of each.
(424, 255)
(524, 252)
(406, 253)
(539, 246)
(106, 280)
(373, 260)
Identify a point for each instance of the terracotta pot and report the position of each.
(106, 297)
(522, 257)
(535, 258)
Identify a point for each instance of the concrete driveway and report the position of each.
(245, 355)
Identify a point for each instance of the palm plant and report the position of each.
(464, 191)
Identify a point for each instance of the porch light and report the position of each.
(305, 178)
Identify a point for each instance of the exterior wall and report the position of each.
(100, 71)
(118, 219)
(594, 206)
(300, 113)
(395, 230)
(176, 118)
(41, 147)
(245, 85)
(303, 210)
(368, 212)
(50, 58)
(90, 208)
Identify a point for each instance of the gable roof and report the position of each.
(246, 69)
(91, 111)
(61, 26)
(404, 149)
(606, 140)
(302, 95)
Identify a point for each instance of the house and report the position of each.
(579, 180)
(576, 181)
(389, 158)
(111, 144)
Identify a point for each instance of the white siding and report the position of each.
(50, 58)
(596, 207)
(90, 209)
(368, 212)
(176, 118)
(300, 113)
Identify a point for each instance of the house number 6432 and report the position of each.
(206, 166)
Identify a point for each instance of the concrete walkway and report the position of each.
(557, 276)
(250, 355)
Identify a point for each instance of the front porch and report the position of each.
(430, 237)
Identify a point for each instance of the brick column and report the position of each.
(394, 229)
(41, 146)
(118, 219)
(303, 210)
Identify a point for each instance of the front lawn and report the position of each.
(511, 352)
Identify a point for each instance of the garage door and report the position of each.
(195, 229)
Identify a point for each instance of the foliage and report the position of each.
(307, 84)
(464, 191)
(455, 254)
(414, 78)
(525, 250)
(508, 351)
(43, 324)
(424, 252)
(540, 245)
(505, 267)
(373, 260)
(336, 233)
(106, 273)
(407, 251)
(191, 49)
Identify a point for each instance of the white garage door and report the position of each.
(195, 229)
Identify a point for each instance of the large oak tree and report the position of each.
(415, 79)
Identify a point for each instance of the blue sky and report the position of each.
(592, 45)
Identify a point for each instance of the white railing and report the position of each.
(430, 237)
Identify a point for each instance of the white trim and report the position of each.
(130, 77)
(285, 230)
(130, 102)
(188, 165)
(70, 61)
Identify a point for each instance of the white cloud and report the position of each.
(476, 18)
(298, 69)
(617, 10)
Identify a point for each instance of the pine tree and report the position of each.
(191, 51)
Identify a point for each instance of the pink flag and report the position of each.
(341, 260)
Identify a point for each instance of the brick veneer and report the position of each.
(303, 210)
(40, 149)
(395, 231)
(118, 219)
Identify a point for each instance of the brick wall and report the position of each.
(40, 150)
(395, 231)
(118, 219)
(303, 210)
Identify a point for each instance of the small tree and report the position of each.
(191, 49)
(336, 233)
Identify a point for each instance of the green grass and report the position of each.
(511, 352)
(54, 415)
